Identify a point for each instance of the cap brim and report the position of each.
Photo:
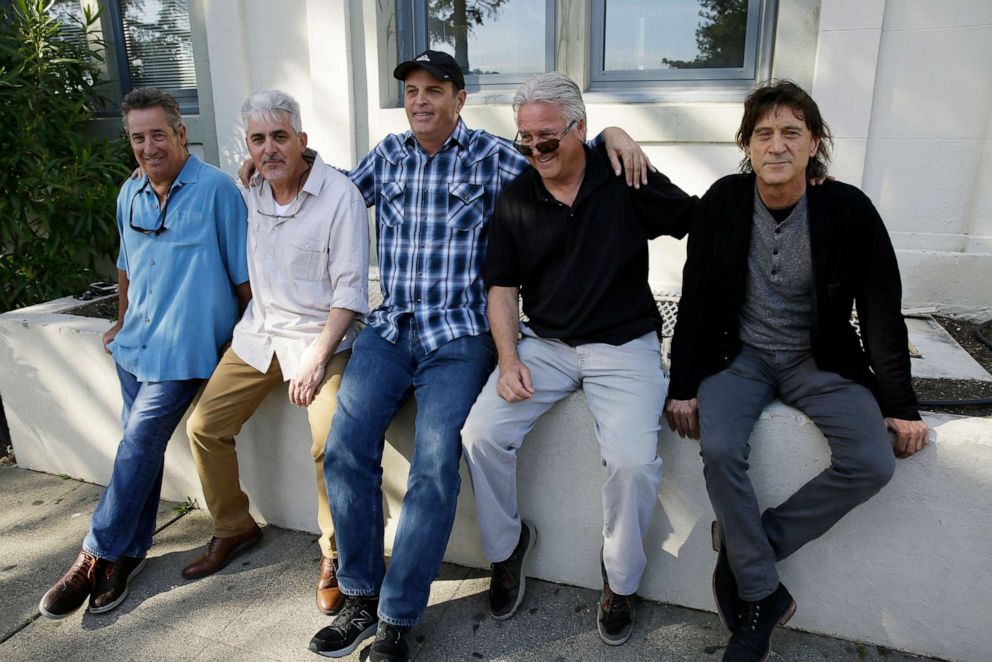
(403, 70)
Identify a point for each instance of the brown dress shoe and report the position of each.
(69, 593)
(112, 579)
(330, 599)
(220, 552)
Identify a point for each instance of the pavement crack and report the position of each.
(20, 627)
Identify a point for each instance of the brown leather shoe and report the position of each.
(111, 583)
(220, 552)
(69, 593)
(330, 599)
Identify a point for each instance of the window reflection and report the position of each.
(490, 36)
(644, 35)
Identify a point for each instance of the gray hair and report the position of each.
(272, 105)
(143, 98)
(552, 87)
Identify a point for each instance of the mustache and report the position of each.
(273, 159)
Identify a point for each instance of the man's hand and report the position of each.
(137, 173)
(111, 333)
(245, 172)
(911, 436)
(683, 417)
(621, 147)
(514, 382)
(304, 385)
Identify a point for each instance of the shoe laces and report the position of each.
(389, 633)
(502, 575)
(81, 579)
(343, 620)
(615, 604)
(328, 567)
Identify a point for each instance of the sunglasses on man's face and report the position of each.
(545, 146)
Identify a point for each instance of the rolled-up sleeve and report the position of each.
(348, 263)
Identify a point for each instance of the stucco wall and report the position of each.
(904, 85)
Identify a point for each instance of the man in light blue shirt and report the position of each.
(183, 280)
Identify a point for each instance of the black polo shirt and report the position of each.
(583, 270)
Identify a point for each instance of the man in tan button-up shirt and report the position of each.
(308, 252)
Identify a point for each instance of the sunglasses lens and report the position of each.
(547, 146)
(523, 149)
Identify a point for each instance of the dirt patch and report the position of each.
(959, 389)
(105, 308)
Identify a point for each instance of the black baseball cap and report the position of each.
(438, 64)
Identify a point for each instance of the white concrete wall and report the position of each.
(908, 570)
(904, 83)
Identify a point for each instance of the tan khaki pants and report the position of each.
(230, 398)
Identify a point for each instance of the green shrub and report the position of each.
(58, 186)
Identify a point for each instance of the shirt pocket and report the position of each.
(188, 230)
(306, 259)
(391, 203)
(466, 205)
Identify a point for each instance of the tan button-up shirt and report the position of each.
(302, 264)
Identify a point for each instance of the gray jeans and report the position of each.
(862, 461)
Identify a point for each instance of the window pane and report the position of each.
(159, 47)
(646, 35)
(490, 36)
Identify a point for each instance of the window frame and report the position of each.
(412, 14)
(758, 49)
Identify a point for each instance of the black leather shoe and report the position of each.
(390, 644)
(753, 638)
(728, 604)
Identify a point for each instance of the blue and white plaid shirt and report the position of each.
(432, 219)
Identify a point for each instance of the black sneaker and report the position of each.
(615, 614)
(390, 644)
(355, 623)
(728, 604)
(506, 588)
(753, 637)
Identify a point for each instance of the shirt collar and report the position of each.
(598, 172)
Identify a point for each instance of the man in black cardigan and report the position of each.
(772, 271)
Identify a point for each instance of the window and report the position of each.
(686, 42)
(498, 43)
(146, 43)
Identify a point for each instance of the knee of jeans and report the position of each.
(721, 450)
(873, 469)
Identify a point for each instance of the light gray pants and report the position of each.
(862, 461)
(626, 389)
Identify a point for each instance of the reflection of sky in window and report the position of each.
(639, 33)
(512, 43)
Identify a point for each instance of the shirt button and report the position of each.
(774, 272)
(420, 300)
(144, 347)
(775, 252)
(153, 263)
(147, 321)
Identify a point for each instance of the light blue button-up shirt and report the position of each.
(181, 298)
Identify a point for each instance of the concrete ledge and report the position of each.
(909, 570)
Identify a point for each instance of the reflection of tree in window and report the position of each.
(451, 21)
(159, 47)
(720, 38)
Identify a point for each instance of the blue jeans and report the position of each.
(124, 520)
(378, 379)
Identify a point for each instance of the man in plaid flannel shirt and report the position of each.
(434, 188)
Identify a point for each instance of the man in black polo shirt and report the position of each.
(572, 239)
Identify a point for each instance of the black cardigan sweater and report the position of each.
(853, 262)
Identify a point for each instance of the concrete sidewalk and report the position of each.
(261, 606)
